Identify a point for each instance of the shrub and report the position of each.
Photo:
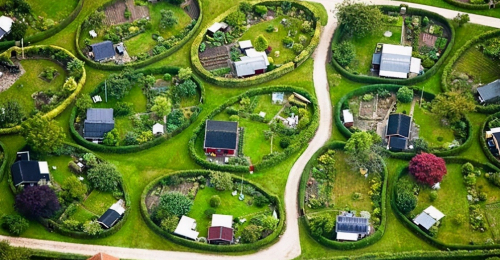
(215, 201)
(169, 223)
(236, 18)
(270, 29)
(428, 168)
(284, 142)
(405, 95)
(92, 228)
(287, 41)
(298, 48)
(245, 7)
(344, 53)
(104, 177)
(459, 219)
(167, 77)
(406, 200)
(111, 138)
(221, 181)
(367, 97)
(251, 234)
(234, 118)
(14, 224)
(428, 63)
(37, 201)
(261, 43)
(184, 74)
(261, 201)
(209, 212)
(123, 109)
(433, 195)
(260, 9)
(175, 203)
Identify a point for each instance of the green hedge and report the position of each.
(58, 110)
(5, 161)
(44, 254)
(370, 240)
(376, 80)
(276, 73)
(409, 224)
(135, 148)
(139, 64)
(209, 247)
(52, 31)
(469, 5)
(304, 136)
(482, 140)
(424, 255)
(394, 88)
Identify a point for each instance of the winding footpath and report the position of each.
(288, 246)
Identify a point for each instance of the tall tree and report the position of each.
(37, 202)
(453, 105)
(359, 145)
(261, 43)
(168, 19)
(73, 189)
(11, 113)
(358, 18)
(162, 106)
(42, 135)
(104, 177)
(175, 203)
(428, 168)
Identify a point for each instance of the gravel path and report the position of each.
(288, 247)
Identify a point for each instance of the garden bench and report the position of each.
(97, 99)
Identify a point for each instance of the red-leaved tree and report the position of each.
(428, 168)
(37, 201)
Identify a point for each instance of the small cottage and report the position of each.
(428, 217)
(221, 231)
(221, 138)
(112, 215)
(99, 121)
(187, 228)
(26, 172)
(5, 26)
(489, 93)
(102, 51)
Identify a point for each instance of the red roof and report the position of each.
(220, 233)
(103, 256)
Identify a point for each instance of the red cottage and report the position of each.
(221, 138)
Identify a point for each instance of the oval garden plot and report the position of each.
(211, 211)
(134, 33)
(77, 194)
(457, 210)
(343, 198)
(134, 110)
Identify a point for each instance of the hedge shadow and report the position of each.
(482, 140)
(5, 161)
(469, 5)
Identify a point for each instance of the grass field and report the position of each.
(62, 171)
(83, 215)
(98, 202)
(431, 128)
(30, 83)
(479, 67)
(443, 4)
(275, 38)
(50, 10)
(493, 214)
(265, 104)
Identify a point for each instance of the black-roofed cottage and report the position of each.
(112, 215)
(221, 137)
(398, 131)
(102, 51)
(489, 93)
(351, 228)
(26, 172)
(99, 121)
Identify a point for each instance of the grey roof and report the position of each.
(356, 225)
(399, 124)
(424, 220)
(99, 121)
(2, 33)
(376, 58)
(221, 134)
(27, 172)
(248, 65)
(490, 91)
(103, 50)
(395, 62)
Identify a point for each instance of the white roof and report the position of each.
(157, 128)
(245, 44)
(396, 49)
(415, 65)
(278, 96)
(348, 118)
(434, 213)
(185, 228)
(118, 208)
(495, 130)
(93, 33)
(247, 66)
(393, 74)
(222, 220)
(347, 236)
(6, 23)
(44, 167)
(252, 53)
(215, 27)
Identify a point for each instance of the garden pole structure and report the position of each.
(105, 91)
(421, 96)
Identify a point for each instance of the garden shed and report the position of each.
(351, 228)
(221, 231)
(5, 26)
(99, 121)
(102, 51)
(112, 215)
(395, 61)
(278, 97)
(219, 220)
(428, 217)
(221, 137)
(348, 118)
(216, 27)
(186, 228)
(158, 129)
(27, 172)
(244, 45)
(249, 66)
(489, 93)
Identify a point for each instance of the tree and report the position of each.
(118, 86)
(104, 177)
(221, 180)
(298, 48)
(95, 20)
(167, 77)
(111, 138)
(261, 43)
(260, 9)
(405, 95)
(75, 68)
(359, 145)
(150, 81)
(170, 223)
(168, 19)
(461, 19)
(185, 89)
(13, 253)
(18, 31)
(73, 189)
(251, 234)
(359, 19)
(69, 85)
(344, 53)
(90, 159)
(184, 74)
(245, 7)
(42, 135)
(236, 18)
(427, 168)
(162, 106)
(83, 102)
(215, 201)
(92, 228)
(420, 145)
(11, 113)
(37, 202)
(269, 223)
(425, 21)
(452, 105)
(209, 213)
(144, 137)
(14, 224)
(175, 203)
(261, 201)
(406, 200)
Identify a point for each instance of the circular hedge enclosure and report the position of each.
(307, 8)
(394, 88)
(337, 37)
(482, 139)
(57, 54)
(304, 136)
(470, 6)
(346, 245)
(179, 43)
(50, 32)
(156, 141)
(209, 247)
(429, 239)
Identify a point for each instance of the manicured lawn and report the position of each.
(62, 171)
(30, 83)
(51, 10)
(431, 128)
(365, 47)
(230, 205)
(98, 202)
(82, 214)
(265, 104)
(275, 38)
(135, 96)
(444, 4)
(475, 64)
(493, 214)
